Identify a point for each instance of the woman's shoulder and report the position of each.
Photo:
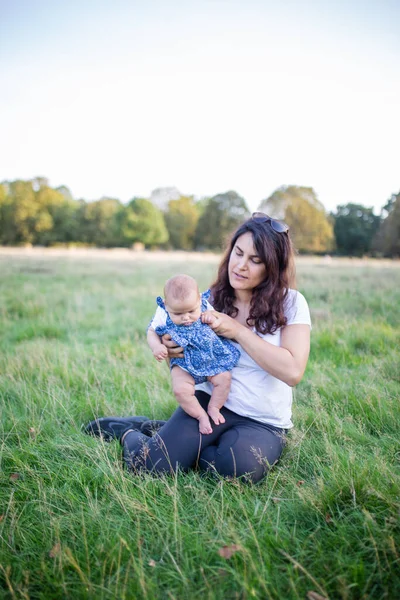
(295, 296)
(296, 308)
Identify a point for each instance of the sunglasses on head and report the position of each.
(277, 226)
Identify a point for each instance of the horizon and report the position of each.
(159, 199)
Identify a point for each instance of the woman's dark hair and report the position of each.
(268, 299)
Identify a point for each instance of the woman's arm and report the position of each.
(286, 362)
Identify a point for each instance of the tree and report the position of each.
(99, 222)
(66, 223)
(387, 239)
(39, 182)
(4, 212)
(65, 191)
(143, 222)
(201, 204)
(355, 227)
(18, 213)
(221, 215)
(160, 197)
(181, 220)
(49, 204)
(300, 208)
(33, 212)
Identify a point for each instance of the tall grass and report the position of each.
(75, 524)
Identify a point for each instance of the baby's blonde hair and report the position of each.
(180, 287)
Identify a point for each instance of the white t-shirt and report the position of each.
(254, 392)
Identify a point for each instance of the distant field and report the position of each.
(74, 524)
(37, 252)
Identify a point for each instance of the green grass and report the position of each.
(74, 524)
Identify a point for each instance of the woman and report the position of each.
(269, 323)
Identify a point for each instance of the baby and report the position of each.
(207, 357)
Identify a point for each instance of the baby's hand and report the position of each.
(209, 318)
(222, 324)
(160, 353)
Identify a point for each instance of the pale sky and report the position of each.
(118, 97)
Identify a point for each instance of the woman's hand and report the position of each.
(174, 351)
(221, 323)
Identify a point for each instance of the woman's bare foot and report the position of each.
(204, 424)
(215, 414)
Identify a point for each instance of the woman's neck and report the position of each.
(243, 297)
(242, 303)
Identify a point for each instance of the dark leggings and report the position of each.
(240, 447)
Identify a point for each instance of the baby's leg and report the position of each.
(183, 386)
(222, 385)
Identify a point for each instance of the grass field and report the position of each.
(74, 524)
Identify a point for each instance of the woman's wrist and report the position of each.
(240, 332)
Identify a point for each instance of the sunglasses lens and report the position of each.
(278, 226)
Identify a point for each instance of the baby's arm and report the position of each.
(160, 351)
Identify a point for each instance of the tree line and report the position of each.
(32, 212)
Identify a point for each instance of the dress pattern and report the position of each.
(205, 353)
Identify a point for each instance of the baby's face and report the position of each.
(184, 312)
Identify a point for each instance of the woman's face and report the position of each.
(245, 269)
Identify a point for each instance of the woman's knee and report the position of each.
(144, 454)
(239, 457)
(232, 462)
(166, 451)
(230, 466)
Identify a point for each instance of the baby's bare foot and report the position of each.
(205, 425)
(215, 414)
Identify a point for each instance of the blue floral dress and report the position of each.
(205, 353)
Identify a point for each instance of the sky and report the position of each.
(119, 98)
